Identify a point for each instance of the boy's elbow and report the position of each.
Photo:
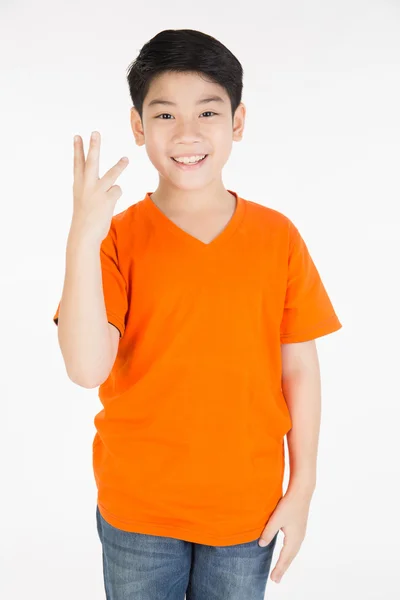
(82, 382)
(85, 381)
(88, 371)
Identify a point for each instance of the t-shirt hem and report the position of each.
(327, 326)
(186, 534)
(116, 321)
(111, 318)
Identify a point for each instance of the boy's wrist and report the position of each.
(302, 483)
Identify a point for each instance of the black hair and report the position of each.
(185, 50)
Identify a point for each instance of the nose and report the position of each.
(187, 132)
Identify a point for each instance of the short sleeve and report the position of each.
(308, 312)
(114, 285)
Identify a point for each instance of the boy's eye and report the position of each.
(206, 111)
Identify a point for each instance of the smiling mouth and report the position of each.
(189, 163)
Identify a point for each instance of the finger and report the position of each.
(267, 536)
(110, 177)
(79, 161)
(285, 558)
(115, 192)
(92, 160)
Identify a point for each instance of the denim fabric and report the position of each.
(139, 566)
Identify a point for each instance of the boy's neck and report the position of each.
(176, 200)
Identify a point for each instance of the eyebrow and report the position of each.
(169, 103)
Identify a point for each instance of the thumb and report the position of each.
(268, 535)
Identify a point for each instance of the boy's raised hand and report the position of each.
(94, 198)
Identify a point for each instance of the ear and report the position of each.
(137, 126)
(238, 122)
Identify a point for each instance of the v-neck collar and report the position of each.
(160, 218)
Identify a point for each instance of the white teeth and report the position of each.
(189, 159)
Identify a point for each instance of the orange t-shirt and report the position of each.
(190, 442)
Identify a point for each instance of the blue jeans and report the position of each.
(139, 566)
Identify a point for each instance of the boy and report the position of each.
(196, 312)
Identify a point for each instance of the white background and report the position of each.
(321, 145)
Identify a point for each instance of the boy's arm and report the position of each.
(301, 387)
(88, 342)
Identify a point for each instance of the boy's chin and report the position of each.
(183, 181)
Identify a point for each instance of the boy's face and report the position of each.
(186, 127)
